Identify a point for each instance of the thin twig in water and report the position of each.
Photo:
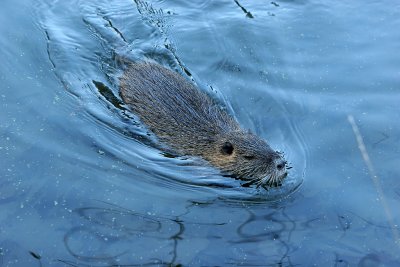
(374, 177)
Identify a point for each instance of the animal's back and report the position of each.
(173, 108)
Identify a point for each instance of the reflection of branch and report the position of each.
(385, 136)
(274, 3)
(114, 28)
(33, 254)
(369, 222)
(176, 237)
(277, 233)
(111, 224)
(48, 49)
(98, 236)
(374, 177)
(248, 13)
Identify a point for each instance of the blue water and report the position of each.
(83, 183)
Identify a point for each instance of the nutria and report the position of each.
(190, 122)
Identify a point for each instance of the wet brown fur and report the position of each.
(191, 123)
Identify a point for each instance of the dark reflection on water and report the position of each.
(83, 183)
(111, 235)
(113, 225)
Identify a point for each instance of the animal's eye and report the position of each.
(227, 148)
(249, 157)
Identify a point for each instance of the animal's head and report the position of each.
(248, 157)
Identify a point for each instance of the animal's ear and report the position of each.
(227, 148)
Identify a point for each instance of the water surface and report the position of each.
(83, 183)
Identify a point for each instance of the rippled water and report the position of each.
(83, 183)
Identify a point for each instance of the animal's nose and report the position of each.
(280, 164)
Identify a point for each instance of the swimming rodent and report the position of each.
(190, 122)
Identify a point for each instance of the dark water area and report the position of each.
(83, 183)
